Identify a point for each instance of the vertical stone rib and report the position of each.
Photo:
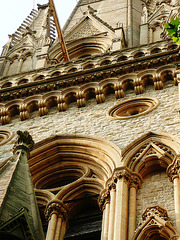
(112, 212)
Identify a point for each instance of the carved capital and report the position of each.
(104, 199)
(173, 169)
(135, 181)
(112, 185)
(24, 141)
(56, 207)
(123, 174)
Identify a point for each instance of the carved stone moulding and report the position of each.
(155, 224)
(5, 136)
(155, 211)
(132, 108)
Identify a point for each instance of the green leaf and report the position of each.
(171, 32)
(173, 29)
(175, 21)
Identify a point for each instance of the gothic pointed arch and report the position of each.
(62, 163)
(150, 151)
(155, 225)
(72, 170)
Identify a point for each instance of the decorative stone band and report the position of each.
(173, 170)
(123, 173)
(56, 207)
(24, 141)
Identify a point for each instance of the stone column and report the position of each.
(7, 66)
(129, 27)
(134, 185)
(121, 177)
(112, 188)
(104, 203)
(173, 171)
(58, 227)
(150, 34)
(56, 213)
(20, 64)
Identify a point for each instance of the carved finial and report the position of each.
(24, 141)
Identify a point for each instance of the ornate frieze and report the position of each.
(117, 74)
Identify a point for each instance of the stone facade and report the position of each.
(88, 164)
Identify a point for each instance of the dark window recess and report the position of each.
(85, 227)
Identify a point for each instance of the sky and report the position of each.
(14, 12)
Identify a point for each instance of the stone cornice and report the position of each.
(117, 74)
(80, 76)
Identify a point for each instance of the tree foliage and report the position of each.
(173, 29)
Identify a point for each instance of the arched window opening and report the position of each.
(72, 70)
(22, 81)
(105, 62)
(156, 236)
(86, 220)
(139, 54)
(39, 78)
(147, 80)
(8, 84)
(122, 58)
(89, 66)
(166, 76)
(155, 50)
(57, 73)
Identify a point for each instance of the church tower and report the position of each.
(90, 147)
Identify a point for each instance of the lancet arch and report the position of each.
(69, 172)
(155, 225)
(151, 150)
(150, 157)
(67, 162)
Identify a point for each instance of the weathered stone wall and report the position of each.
(92, 120)
(156, 190)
